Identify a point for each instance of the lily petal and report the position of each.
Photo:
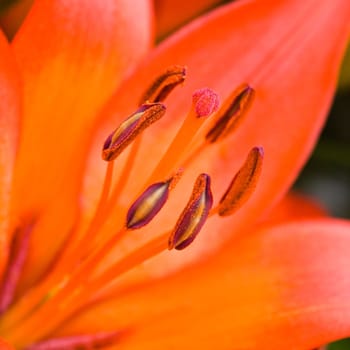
(5, 346)
(72, 55)
(12, 16)
(10, 97)
(279, 56)
(295, 206)
(259, 292)
(171, 14)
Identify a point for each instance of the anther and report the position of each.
(164, 84)
(194, 215)
(120, 138)
(149, 203)
(231, 114)
(243, 184)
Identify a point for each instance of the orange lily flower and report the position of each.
(89, 264)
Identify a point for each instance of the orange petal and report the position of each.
(5, 346)
(12, 16)
(72, 56)
(295, 206)
(284, 287)
(279, 56)
(9, 115)
(171, 14)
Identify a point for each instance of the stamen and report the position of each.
(135, 258)
(194, 215)
(140, 213)
(124, 177)
(148, 204)
(86, 341)
(243, 184)
(106, 187)
(89, 235)
(232, 113)
(164, 84)
(118, 140)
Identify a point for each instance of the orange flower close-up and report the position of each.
(146, 177)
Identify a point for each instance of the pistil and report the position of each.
(205, 102)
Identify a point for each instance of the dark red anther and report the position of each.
(147, 206)
(164, 84)
(128, 130)
(194, 215)
(243, 184)
(150, 202)
(231, 114)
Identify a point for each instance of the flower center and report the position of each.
(72, 284)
